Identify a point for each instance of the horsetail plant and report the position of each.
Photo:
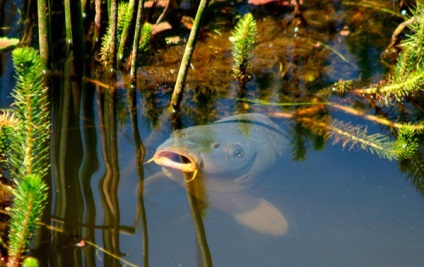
(31, 108)
(123, 21)
(243, 39)
(29, 151)
(30, 196)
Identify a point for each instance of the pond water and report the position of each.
(343, 207)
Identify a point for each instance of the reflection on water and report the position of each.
(343, 208)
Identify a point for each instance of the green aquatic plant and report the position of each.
(25, 141)
(176, 98)
(408, 73)
(31, 108)
(124, 21)
(406, 144)
(127, 21)
(30, 262)
(43, 36)
(107, 41)
(351, 136)
(30, 196)
(8, 123)
(146, 34)
(243, 39)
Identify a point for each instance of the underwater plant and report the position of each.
(407, 76)
(30, 196)
(105, 50)
(25, 137)
(31, 108)
(243, 39)
(185, 61)
(124, 21)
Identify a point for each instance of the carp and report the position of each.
(229, 156)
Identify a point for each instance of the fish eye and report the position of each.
(236, 151)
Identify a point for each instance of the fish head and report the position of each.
(224, 158)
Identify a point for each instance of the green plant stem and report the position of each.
(16, 251)
(185, 62)
(193, 201)
(97, 21)
(43, 38)
(138, 26)
(393, 88)
(113, 20)
(68, 25)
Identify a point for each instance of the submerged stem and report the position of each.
(185, 62)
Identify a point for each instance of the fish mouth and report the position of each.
(179, 159)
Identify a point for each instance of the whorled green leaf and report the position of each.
(243, 39)
(357, 137)
(406, 143)
(146, 34)
(30, 262)
(31, 107)
(124, 17)
(29, 202)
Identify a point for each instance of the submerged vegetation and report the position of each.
(300, 74)
(25, 143)
(243, 39)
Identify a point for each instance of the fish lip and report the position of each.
(164, 157)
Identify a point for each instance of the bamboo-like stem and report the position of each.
(193, 201)
(185, 62)
(68, 25)
(43, 37)
(97, 21)
(78, 41)
(113, 21)
(138, 26)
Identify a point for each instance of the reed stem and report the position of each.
(138, 26)
(185, 62)
(43, 31)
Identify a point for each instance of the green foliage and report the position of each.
(408, 76)
(30, 196)
(124, 20)
(243, 39)
(146, 34)
(124, 17)
(406, 143)
(357, 137)
(28, 135)
(31, 108)
(30, 262)
(8, 123)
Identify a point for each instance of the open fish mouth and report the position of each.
(178, 159)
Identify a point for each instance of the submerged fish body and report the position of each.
(231, 154)
(233, 150)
